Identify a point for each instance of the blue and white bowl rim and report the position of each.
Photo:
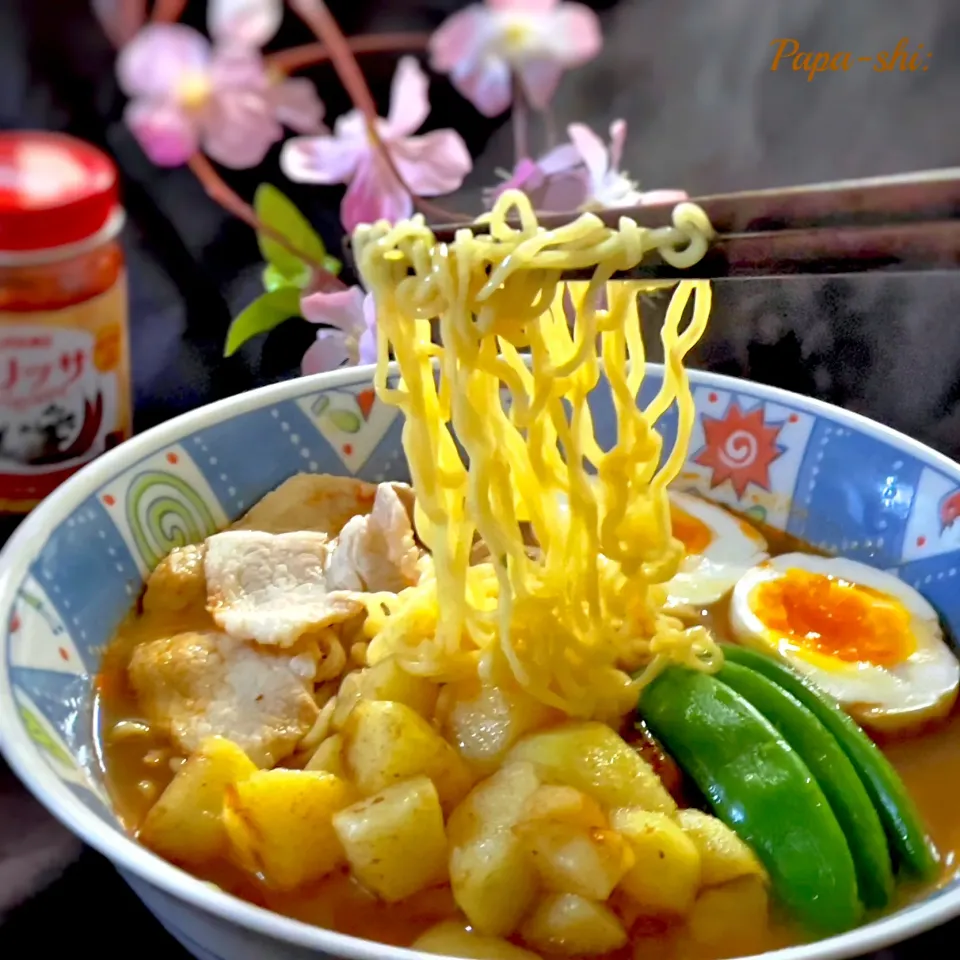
(24, 757)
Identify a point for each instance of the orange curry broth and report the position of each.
(929, 765)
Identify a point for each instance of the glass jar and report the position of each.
(65, 393)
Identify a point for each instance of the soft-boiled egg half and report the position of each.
(862, 635)
(719, 548)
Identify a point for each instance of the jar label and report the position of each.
(64, 393)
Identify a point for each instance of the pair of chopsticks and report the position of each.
(904, 223)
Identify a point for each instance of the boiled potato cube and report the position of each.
(574, 926)
(570, 859)
(723, 855)
(186, 822)
(387, 680)
(666, 875)
(329, 757)
(280, 824)
(450, 939)
(485, 721)
(492, 878)
(594, 759)
(385, 742)
(732, 917)
(394, 841)
(559, 804)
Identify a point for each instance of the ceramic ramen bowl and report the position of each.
(75, 567)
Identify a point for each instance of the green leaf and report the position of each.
(280, 213)
(265, 313)
(273, 279)
(320, 404)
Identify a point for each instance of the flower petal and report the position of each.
(165, 133)
(342, 309)
(245, 23)
(323, 159)
(409, 100)
(562, 192)
(560, 159)
(367, 346)
(433, 164)
(159, 57)
(486, 85)
(296, 105)
(575, 34)
(592, 150)
(618, 137)
(328, 352)
(373, 195)
(459, 39)
(239, 128)
(238, 68)
(540, 79)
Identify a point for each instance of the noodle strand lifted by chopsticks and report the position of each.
(574, 620)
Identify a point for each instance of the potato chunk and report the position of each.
(450, 939)
(569, 859)
(394, 841)
(595, 760)
(485, 721)
(558, 804)
(723, 855)
(186, 823)
(387, 680)
(732, 917)
(666, 875)
(571, 925)
(280, 824)
(385, 742)
(492, 878)
(329, 757)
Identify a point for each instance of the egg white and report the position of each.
(735, 546)
(885, 698)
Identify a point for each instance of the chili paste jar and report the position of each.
(64, 358)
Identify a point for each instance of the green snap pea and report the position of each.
(841, 785)
(912, 848)
(758, 785)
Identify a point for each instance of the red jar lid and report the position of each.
(54, 190)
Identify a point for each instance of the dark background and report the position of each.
(706, 114)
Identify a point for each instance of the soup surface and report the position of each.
(142, 750)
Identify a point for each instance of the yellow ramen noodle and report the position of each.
(575, 620)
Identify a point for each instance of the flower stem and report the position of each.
(168, 11)
(218, 191)
(296, 58)
(317, 16)
(520, 116)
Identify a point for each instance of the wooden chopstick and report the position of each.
(903, 223)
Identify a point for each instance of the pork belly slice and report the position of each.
(272, 588)
(197, 685)
(376, 552)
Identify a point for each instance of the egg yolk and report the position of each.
(834, 617)
(694, 534)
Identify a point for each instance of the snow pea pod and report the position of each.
(840, 782)
(758, 785)
(911, 846)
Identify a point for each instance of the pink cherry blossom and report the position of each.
(187, 94)
(583, 174)
(485, 46)
(350, 335)
(430, 165)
